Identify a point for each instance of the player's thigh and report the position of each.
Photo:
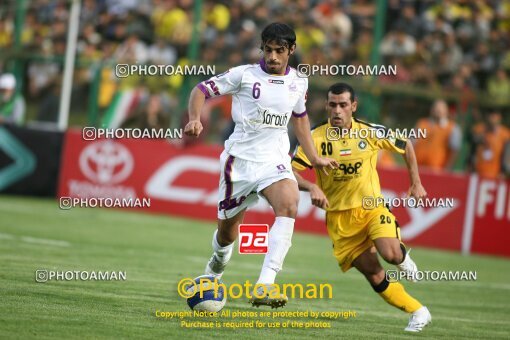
(228, 229)
(276, 182)
(283, 196)
(390, 250)
(384, 231)
(349, 236)
(368, 264)
(237, 188)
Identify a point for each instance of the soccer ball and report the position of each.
(206, 294)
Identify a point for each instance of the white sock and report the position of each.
(280, 240)
(223, 253)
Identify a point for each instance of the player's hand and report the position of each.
(193, 128)
(318, 197)
(324, 163)
(417, 191)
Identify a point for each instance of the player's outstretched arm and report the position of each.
(302, 130)
(318, 197)
(196, 103)
(416, 189)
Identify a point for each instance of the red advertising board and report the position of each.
(184, 182)
(488, 230)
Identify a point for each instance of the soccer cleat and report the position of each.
(215, 266)
(418, 320)
(268, 299)
(409, 267)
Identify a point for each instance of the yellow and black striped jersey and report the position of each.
(356, 153)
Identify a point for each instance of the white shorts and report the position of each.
(241, 181)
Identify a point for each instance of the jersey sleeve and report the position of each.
(225, 83)
(389, 140)
(299, 109)
(299, 160)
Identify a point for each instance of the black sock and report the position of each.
(404, 251)
(381, 287)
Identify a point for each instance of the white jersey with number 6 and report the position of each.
(262, 105)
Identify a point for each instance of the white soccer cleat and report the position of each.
(216, 266)
(409, 267)
(264, 297)
(418, 320)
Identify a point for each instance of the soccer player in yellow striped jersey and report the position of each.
(358, 228)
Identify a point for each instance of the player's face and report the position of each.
(276, 57)
(340, 109)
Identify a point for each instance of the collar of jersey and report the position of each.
(262, 64)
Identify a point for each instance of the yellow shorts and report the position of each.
(353, 231)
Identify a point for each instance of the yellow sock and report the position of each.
(395, 294)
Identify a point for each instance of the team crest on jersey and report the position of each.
(276, 81)
(293, 87)
(362, 145)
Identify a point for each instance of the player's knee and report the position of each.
(288, 208)
(375, 277)
(393, 256)
(373, 272)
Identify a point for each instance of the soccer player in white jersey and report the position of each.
(265, 97)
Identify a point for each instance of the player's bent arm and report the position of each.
(196, 103)
(416, 190)
(303, 184)
(302, 131)
(317, 196)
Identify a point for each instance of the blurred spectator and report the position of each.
(150, 114)
(490, 138)
(397, 43)
(12, 105)
(120, 7)
(498, 88)
(409, 21)
(403, 74)
(171, 22)
(41, 74)
(484, 63)
(49, 108)
(217, 15)
(439, 150)
(132, 51)
(6, 32)
(310, 38)
(335, 22)
(89, 11)
(161, 53)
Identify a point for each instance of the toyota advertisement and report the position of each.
(184, 182)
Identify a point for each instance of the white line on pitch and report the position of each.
(46, 242)
(6, 236)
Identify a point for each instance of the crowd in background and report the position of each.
(455, 45)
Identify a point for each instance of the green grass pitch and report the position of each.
(157, 251)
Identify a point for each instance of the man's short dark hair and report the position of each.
(282, 34)
(339, 88)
